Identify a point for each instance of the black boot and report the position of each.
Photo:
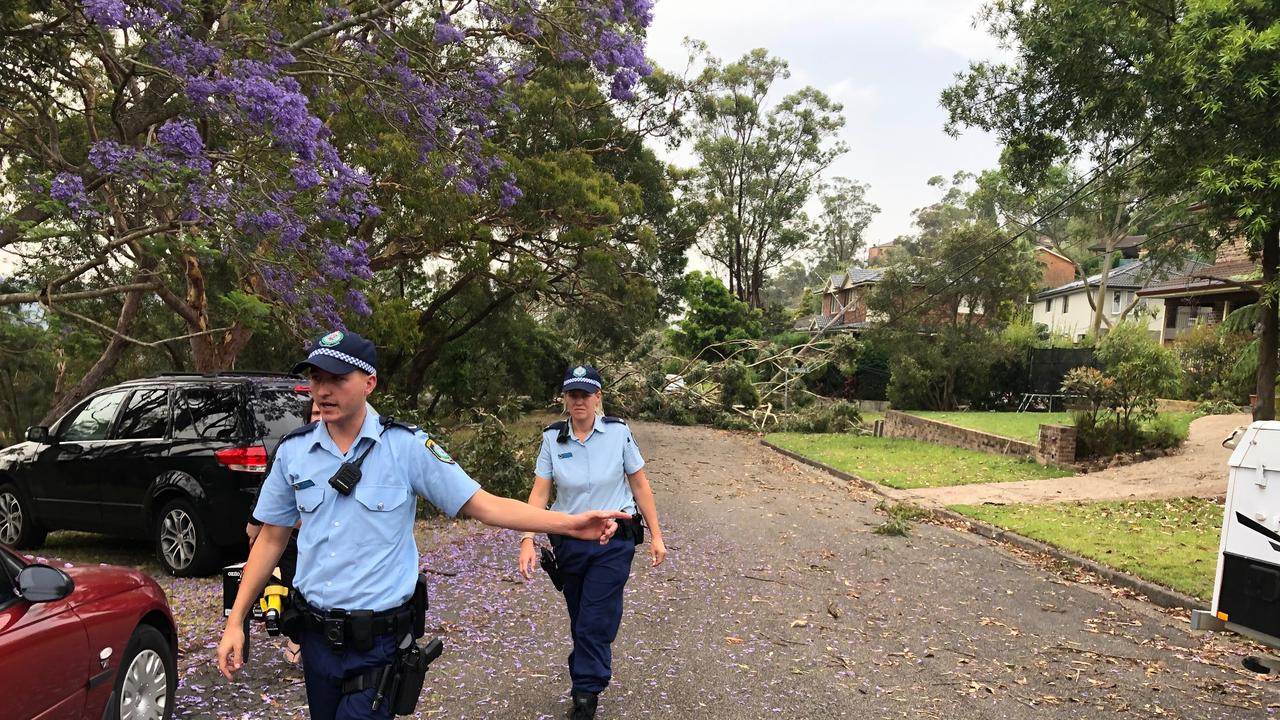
(584, 706)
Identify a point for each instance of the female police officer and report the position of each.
(357, 558)
(595, 465)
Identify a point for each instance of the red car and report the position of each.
(84, 642)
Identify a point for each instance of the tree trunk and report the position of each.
(1101, 303)
(105, 364)
(209, 352)
(1267, 344)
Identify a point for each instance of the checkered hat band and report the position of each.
(589, 381)
(348, 359)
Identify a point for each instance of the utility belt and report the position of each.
(357, 629)
(630, 529)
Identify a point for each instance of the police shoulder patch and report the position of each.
(556, 425)
(437, 450)
(612, 419)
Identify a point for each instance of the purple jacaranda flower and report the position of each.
(181, 137)
(446, 33)
(105, 13)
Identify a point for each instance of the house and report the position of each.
(1058, 268)
(844, 302)
(876, 253)
(1206, 295)
(1066, 309)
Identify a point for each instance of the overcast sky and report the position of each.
(886, 61)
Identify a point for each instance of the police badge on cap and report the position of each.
(582, 377)
(340, 352)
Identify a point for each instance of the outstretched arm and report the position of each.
(505, 512)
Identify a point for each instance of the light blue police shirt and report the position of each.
(591, 475)
(357, 552)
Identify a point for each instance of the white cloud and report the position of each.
(886, 62)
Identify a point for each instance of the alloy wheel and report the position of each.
(10, 518)
(178, 539)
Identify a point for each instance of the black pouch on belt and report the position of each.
(411, 673)
(418, 607)
(361, 623)
(291, 621)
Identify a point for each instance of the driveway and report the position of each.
(1198, 470)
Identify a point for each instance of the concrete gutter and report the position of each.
(1157, 594)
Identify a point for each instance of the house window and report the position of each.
(1048, 305)
(1066, 299)
(1115, 302)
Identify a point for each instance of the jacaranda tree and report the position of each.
(206, 155)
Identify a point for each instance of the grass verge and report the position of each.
(1026, 426)
(1170, 542)
(909, 463)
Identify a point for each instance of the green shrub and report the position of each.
(733, 421)
(501, 462)
(1115, 408)
(1207, 355)
(838, 416)
(736, 387)
(1101, 436)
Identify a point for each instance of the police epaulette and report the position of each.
(388, 421)
(556, 425)
(298, 432)
(612, 419)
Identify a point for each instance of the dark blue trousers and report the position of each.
(324, 670)
(595, 575)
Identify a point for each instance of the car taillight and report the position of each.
(248, 459)
(302, 388)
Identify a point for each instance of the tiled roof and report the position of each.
(1130, 276)
(1201, 279)
(857, 276)
(1124, 243)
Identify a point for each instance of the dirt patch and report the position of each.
(1200, 470)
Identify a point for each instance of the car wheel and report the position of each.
(146, 680)
(182, 545)
(17, 527)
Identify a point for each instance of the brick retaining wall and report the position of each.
(900, 424)
(1057, 444)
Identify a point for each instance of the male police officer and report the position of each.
(357, 558)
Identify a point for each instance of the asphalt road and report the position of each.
(778, 600)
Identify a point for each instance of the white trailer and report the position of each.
(1246, 590)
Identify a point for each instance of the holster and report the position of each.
(410, 674)
(548, 562)
(632, 528)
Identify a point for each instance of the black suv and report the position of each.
(177, 458)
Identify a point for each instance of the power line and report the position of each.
(1096, 173)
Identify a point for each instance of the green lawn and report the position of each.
(1024, 426)
(909, 463)
(1170, 542)
(1019, 426)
